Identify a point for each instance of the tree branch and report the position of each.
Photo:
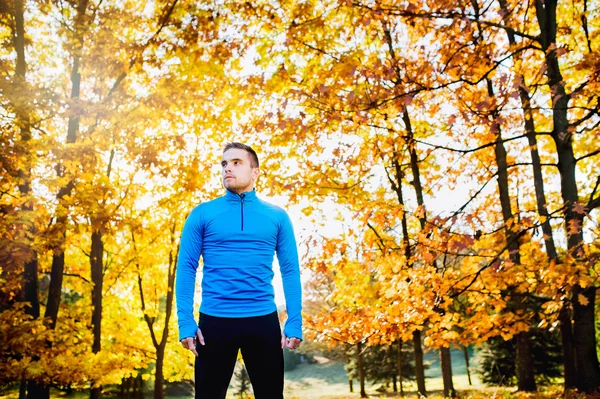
(148, 319)
(73, 275)
(593, 112)
(584, 25)
(476, 275)
(466, 151)
(381, 242)
(594, 202)
(591, 154)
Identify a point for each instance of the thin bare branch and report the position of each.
(469, 150)
(594, 203)
(591, 154)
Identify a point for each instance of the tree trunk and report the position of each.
(587, 366)
(56, 278)
(399, 361)
(97, 271)
(35, 389)
(524, 357)
(419, 365)
(58, 256)
(585, 338)
(96, 255)
(568, 347)
(361, 370)
(414, 164)
(159, 378)
(23, 389)
(524, 363)
(446, 363)
(22, 120)
(466, 353)
(349, 373)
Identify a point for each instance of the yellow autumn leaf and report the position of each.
(583, 300)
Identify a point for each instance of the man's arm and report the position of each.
(287, 256)
(190, 247)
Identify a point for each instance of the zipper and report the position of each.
(242, 197)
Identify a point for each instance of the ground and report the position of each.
(328, 380)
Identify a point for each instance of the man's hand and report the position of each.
(290, 343)
(190, 342)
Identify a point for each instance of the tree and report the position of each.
(23, 175)
(496, 359)
(243, 381)
(381, 365)
(151, 313)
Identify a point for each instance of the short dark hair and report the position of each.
(247, 148)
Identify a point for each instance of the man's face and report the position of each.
(237, 171)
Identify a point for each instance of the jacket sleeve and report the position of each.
(287, 256)
(190, 248)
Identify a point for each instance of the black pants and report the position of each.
(258, 338)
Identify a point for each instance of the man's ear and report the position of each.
(255, 173)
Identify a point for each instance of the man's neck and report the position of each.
(243, 191)
(246, 190)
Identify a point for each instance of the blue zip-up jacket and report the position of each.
(237, 236)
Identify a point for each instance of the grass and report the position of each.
(312, 380)
(329, 380)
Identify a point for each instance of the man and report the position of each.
(237, 235)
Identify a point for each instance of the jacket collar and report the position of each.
(248, 196)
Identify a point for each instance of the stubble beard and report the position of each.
(235, 186)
